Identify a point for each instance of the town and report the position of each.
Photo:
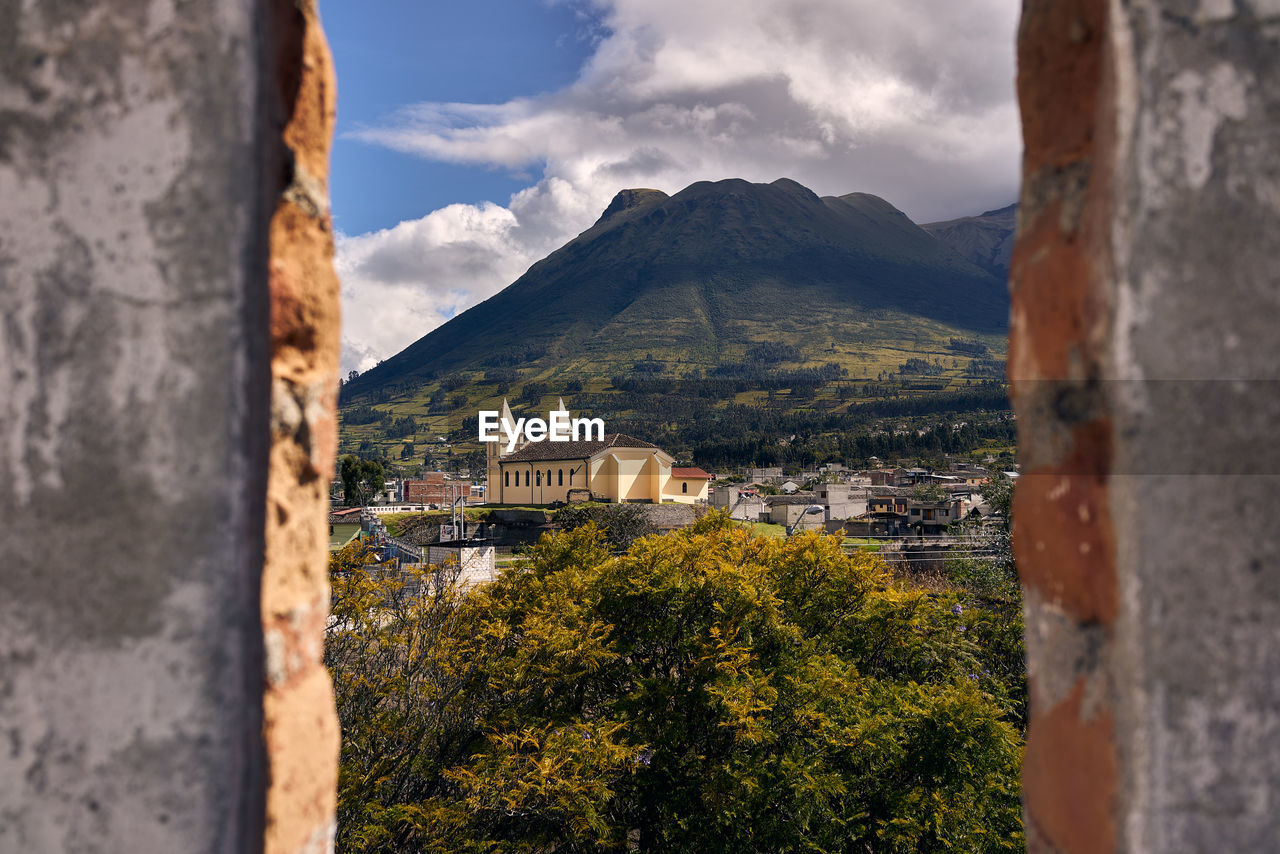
(481, 520)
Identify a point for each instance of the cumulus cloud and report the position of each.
(911, 100)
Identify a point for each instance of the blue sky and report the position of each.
(474, 138)
(390, 53)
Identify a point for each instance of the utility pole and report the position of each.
(808, 511)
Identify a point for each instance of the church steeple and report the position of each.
(508, 420)
(493, 454)
(494, 450)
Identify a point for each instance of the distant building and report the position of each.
(887, 513)
(616, 469)
(475, 559)
(741, 502)
(344, 526)
(910, 477)
(931, 517)
(841, 500)
(429, 489)
(788, 510)
(969, 473)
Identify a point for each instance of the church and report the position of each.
(616, 468)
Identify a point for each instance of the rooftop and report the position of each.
(544, 451)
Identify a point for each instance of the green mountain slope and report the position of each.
(709, 271)
(766, 285)
(985, 240)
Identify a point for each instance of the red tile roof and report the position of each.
(690, 472)
(546, 451)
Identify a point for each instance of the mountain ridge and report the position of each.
(706, 271)
(986, 240)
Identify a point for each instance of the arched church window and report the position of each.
(559, 477)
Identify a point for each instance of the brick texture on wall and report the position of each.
(1060, 324)
(1144, 372)
(300, 725)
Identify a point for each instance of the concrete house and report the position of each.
(841, 500)
(931, 517)
(742, 502)
(788, 510)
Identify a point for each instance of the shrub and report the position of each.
(704, 691)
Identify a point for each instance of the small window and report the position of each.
(526, 478)
(684, 487)
(559, 477)
(539, 481)
(506, 478)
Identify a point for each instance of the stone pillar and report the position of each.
(301, 724)
(133, 426)
(168, 336)
(1144, 360)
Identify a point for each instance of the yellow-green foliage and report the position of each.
(708, 690)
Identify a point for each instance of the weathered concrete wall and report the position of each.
(133, 378)
(168, 349)
(1144, 359)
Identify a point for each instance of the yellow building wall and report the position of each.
(615, 480)
(603, 478)
(699, 490)
(628, 474)
(658, 473)
(623, 474)
(541, 489)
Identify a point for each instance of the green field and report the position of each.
(444, 411)
(767, 529)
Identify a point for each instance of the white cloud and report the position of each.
(911, 100)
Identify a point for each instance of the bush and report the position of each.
(621, 524)
(704, 691)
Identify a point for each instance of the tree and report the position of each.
(931, 493)
(983, 568)
(361, 479)
(621, 524)
(703, 691)
(349, 471)
(374, 476)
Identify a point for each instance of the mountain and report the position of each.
(985, 240)
(700, 277)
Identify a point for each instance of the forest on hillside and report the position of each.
(756, 412)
